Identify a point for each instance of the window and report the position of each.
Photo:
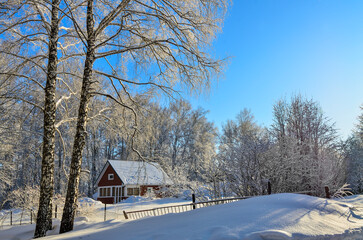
(130, 191)
(110, 176)
(105, 192)
(133, 191)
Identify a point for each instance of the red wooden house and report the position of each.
(121, 179)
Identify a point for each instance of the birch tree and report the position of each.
(44, 216)
(353, 152)
(306, 147)
(20, 136)
(242, 151)
(20, 16)
(30, 37)
(166, 43)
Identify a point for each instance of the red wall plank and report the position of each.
(104, 179)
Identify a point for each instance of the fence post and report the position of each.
(104, 216)
(31, 216)
(56, 211)
(327, 193)
(11, 217)
(193, 199)
(125, 214)
(269, 187)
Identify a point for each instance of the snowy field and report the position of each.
(277, 216)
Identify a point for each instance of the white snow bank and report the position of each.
(357, 200)
(87, 200)
(277, 216)
(135, 199)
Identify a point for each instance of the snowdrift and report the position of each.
(277, 216)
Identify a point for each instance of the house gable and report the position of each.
(104, 178)
(119, 180)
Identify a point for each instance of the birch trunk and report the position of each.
(44, 217)
(70, 205)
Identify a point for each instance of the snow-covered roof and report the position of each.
(140, 173)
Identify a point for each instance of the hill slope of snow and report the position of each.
(277, 216)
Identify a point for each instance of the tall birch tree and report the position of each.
(307, 156)
(44, 217)
(28, 25)
(166, 44)
(242, 150)
(30, 35)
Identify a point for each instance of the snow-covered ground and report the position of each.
(277, 216)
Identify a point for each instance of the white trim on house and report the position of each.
(132, 186)
(104, 187)
(115, 192)
(101, 173)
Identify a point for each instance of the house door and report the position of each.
(149, 191)
(118, 195)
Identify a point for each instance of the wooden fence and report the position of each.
(177, 208)
(26, 216)
(188, 207)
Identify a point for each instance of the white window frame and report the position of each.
(110, 176)
(107, 196)
(111, 191)
(132, 186)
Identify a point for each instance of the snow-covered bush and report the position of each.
(86, 207)
(24, 198)
(343, 191)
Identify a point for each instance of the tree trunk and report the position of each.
(94, 158)
(59, 176)
(44, 217)
(70, 205)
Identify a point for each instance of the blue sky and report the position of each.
(280, 48)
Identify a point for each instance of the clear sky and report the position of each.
(284, 47)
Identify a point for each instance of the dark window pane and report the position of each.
(130, 191)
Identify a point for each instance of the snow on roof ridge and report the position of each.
(133, 161)
(140, 172)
